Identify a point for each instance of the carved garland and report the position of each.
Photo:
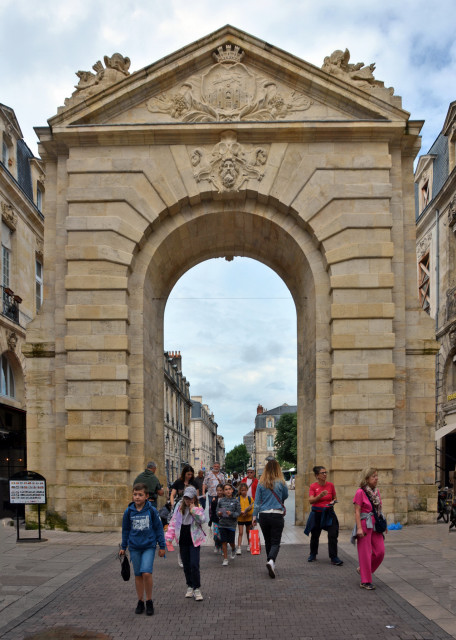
(9, 216)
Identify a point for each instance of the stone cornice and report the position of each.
(61, 139)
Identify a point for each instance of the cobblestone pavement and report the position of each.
(305, 602)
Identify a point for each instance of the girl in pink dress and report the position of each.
(371, 545)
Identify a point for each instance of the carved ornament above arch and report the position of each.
(229, 92)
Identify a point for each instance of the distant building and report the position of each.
(22, 234)
(220, 451)
(177, 406)
(265, 433)
(435, 207)
(203, 434)
(249, 441)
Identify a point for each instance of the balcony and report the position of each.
(11, 304)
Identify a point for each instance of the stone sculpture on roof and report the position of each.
(337, 64)
(90, 83)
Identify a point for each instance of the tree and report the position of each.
(286, 440)
(237, 459)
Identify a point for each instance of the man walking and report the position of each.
(251, 482)
(149, 478)
(212, 478)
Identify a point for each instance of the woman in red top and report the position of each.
(322, 497)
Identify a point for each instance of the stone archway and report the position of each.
(312, 175)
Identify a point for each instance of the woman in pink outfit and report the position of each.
(371, 545)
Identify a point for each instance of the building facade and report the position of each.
(435, 197)
(177, 405)
(306, 169)
(265, 432)
(22, 229)
(220, 450)
(249, 441)
(204, 435)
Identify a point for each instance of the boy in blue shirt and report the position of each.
(141, 530)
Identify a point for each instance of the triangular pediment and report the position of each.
(228, 76)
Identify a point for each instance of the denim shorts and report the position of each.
(142, 560)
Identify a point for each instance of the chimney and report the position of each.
(259, 409)
(176, 359)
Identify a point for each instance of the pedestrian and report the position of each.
(245, 518)
(185, 527)
(322, 497)
(199, 481)
(270, 496)
(187, 478)
(370, 543)
(151, 481)
(251, 482)
(228, 510)
(212, 478)
(141, 531)
(214, 520)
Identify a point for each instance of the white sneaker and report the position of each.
(270, 566)
(216, 550)
(179, 561)
(238, 551)
(197, 594)
(189, 593)
(233, 554)
(225, 562)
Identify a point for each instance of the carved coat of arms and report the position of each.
(229, 92)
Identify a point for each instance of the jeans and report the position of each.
(333, 534)
(142, 560)
(202, 501)
(272, 526)
(190, 557)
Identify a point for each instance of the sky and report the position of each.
(239, 341)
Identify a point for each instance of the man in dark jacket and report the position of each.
(151, 481)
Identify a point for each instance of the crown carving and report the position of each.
(228, 53)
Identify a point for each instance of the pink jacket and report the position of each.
(196, 530)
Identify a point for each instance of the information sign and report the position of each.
(27, 491)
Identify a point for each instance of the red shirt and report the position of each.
(316, 488)
(252, 484)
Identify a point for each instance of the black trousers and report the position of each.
(190, 557)
(272, 526)
(333, 534)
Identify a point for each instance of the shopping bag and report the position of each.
(255, 547)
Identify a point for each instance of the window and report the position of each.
(7, 379)
(38, 284)
(5, 153)
(39, 198)
(424, 283)
(425, 195)
(6, 264)
(270, 443)
(270, 423)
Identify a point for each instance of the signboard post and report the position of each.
(28, 487)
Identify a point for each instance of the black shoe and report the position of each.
(149, 608)
(337, 561)
(312, 557)
(367, 585)
(140, 607)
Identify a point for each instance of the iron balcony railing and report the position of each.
(11, 304)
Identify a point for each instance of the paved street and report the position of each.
(70, 587)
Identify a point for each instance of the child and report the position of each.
(228, 510)
(185, 527)
(245, 519)
(214, 519)
(141, 530)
